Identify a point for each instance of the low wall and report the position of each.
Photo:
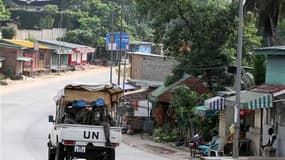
(45, 34)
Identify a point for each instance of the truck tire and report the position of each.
(112, 154)
(59, 155)
(51, 154)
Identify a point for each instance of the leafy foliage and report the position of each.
(80, 36)
(182, 103)
(201, 35)
(8, 32)
(196, 34)
(4, 14)
(281, 32)
(46, 22)
(259, 70)
(31, 19)
(269, 14)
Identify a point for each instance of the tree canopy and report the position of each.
(269, 13)
(201, 35)
(4, 14)
(195, 33)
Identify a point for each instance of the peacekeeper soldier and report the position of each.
(76, 113)
(99, 118)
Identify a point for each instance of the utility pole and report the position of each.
(120, 52)
(125, 58)
(238, 84)
(111, 65)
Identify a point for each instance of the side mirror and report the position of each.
(51, 119)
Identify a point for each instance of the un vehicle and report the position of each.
(83, 125)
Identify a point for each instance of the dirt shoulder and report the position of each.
(28, 82)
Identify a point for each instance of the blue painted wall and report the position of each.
(275, 70)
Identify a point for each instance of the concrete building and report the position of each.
(150, 67)
(275, 85)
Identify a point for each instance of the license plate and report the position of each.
(79, 149)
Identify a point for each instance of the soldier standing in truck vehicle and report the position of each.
(99, 118)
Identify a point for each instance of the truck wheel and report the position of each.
(112, 154)
(51, 154)
(59, 155)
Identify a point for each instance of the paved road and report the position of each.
(24, 122)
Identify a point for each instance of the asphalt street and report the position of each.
(24, 117)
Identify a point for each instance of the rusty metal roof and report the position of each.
(276, 90)
(162, 94)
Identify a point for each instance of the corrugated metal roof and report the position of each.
(273, 50)
(24, 43)
(63, 44)
(265, 88)
(276, 90)
(7, 45)
(162, 93)
(147, 54)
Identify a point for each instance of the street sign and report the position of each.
(117, 41)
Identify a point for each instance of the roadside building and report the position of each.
(67, 55)
(262, 107)
(139, 107)
(36, 57)
(252, 104)
(160, 97)
(145, 66)
(10, 59)
(275, 86)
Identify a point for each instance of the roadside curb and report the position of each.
(150, 146)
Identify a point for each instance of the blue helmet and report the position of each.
(79, 103)
(98, 103)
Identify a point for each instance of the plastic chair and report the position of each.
(220, 149)
(217, 153)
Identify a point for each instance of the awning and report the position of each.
(252, 100)
(25, 59)
(215, 103)
(203, 111)
(137, 95)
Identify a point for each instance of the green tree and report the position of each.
(281, 32)
(201, 35)
(195, 33)
(50, 8)
(259, 70)
(183, 101)
(269, 13)
(79, 36)
(46, 22)
(8, 32)
(4, 14)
